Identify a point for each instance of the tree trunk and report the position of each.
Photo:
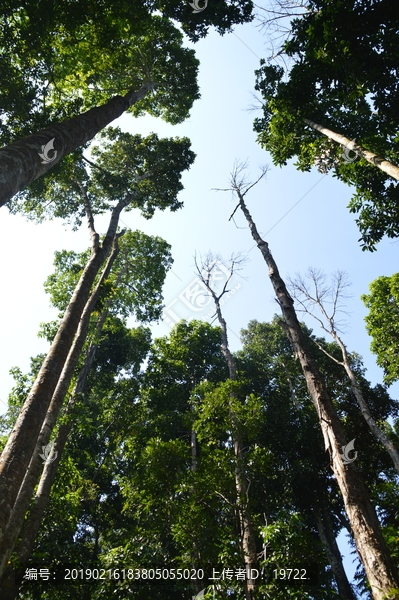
(21, 444)
(11, 583)
(33, 473)
(20, 163)
(371, 546)
(364, 408)
(383, 164)
(327, 537)
(248, 538)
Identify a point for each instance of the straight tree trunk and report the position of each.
(365, 410)
(248, 538)
(32, 475)
(20, 163)
(16, 456)
(379, 567)
(327, 537)
(11, 582)
(364, 407)
(383, 164)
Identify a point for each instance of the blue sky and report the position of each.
(319, 231)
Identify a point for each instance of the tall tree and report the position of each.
(341, 82)
(315, 302)
(136, 190)
(134, 289)
(361, 513)
(158, 64)
(206, 272)
(295, 454)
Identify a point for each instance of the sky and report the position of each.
(303, 216)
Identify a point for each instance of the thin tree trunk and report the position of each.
(327, 537)
(33, 473)
(346, 364)
(193, 443)
(20, 163)
(383, 164)
(364, 408)
(16, 456)
(248, 538)
(371, 546)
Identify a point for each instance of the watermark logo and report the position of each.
(49, 147)
(196, 6)
(46, 453)
(347, 158)
(345, 452)
(195, 301)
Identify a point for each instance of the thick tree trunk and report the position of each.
(327, 537)
(21, 444)
(20, 163)
(10, 585)
(35, 467)
(379, 567)
(383, 164)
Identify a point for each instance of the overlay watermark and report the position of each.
(49, 147)
(345, 452)
(196, 6)
(47, 452)
(346, 154)
(195, 301)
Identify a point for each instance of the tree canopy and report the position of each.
(342, 73)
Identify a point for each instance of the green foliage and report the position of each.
(124, 158)
(148, 170)
(59, 58)
(343, 76)
(86, 63)
(150, 496)
(382, 324)
(290, 544)
(134, 287)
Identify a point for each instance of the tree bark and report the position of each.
(20, 163)
(10, 585)
(17, 453)
(327, 537)
(379, 567)
(33, 473)
(364, 408)
(383, 164)
(248, 538)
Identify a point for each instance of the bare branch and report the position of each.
(315, 294)
(239, 182)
